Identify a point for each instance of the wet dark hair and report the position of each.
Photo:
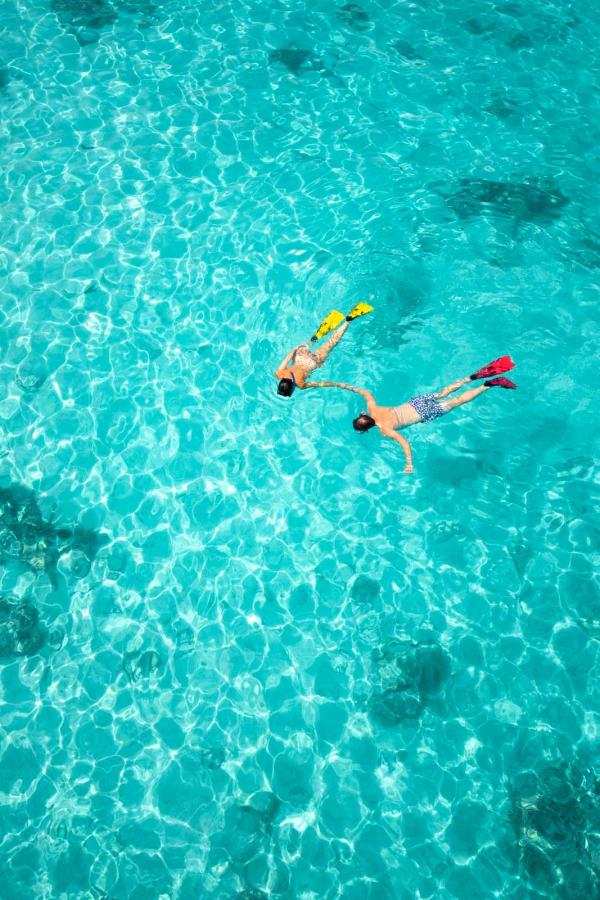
(363, 422)
(286, 387)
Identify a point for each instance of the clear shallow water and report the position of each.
(242, 655)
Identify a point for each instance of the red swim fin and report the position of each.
(497, 367)
(500, 382)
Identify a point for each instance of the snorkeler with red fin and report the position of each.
(424, 407)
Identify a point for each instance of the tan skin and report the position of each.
(285, 370)
(385, 418)
(391, 418)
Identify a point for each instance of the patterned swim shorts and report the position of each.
(427, 406)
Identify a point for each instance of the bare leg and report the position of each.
(323, 352)
(464, 398)
(455, 386)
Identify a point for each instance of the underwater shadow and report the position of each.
(533, 200)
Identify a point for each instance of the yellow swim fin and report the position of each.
(330, 322)
(361, 309)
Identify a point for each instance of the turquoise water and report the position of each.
(242, 655)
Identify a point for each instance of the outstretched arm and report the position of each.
(347, 387)
(405, 447)
(285, 362)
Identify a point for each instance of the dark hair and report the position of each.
(286, 387)
(363, 422)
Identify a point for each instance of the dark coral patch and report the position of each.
(354, 16)
(296, 59)
(407, 51)
(86, 18)
(29, 539)
(21, 633)
(555, 813)
(411, 674)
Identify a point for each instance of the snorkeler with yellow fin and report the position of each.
(302, 361)
(328, 324)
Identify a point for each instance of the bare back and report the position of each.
(388, 419)
(393, 418)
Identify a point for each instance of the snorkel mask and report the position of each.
(287, 386)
